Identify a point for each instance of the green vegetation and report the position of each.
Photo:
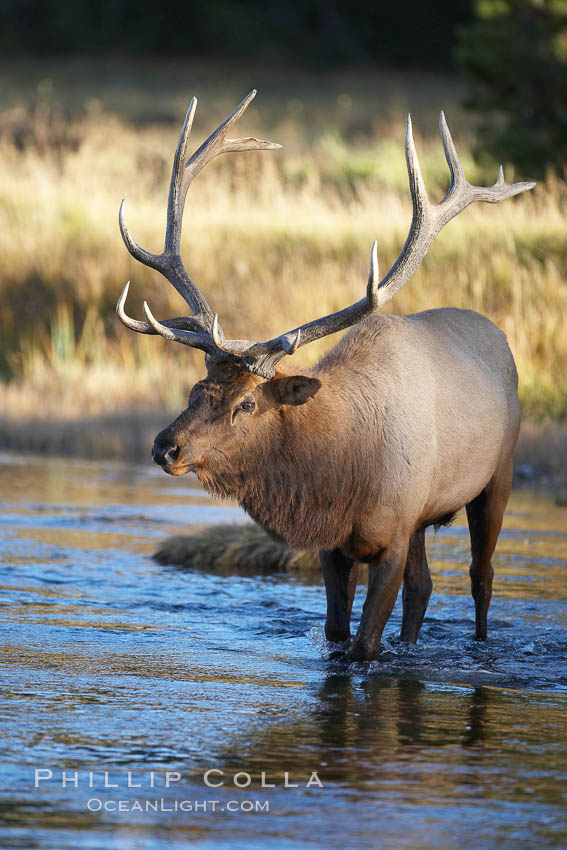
(273, 239)
(514, 56)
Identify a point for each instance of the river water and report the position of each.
(125, 684)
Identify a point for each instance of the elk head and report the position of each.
(228, 421)
(231, 409)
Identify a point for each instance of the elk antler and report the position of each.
(203, 331)
(428, 219)
(196, 330)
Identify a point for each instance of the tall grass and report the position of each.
(273, 239)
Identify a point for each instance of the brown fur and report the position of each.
(405, 421)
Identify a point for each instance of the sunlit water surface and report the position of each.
(114, 665)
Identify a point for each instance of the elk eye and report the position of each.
(246, 406)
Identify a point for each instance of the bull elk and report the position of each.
(405, 421)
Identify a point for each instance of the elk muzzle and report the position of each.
(165, 451)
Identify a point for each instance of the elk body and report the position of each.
(405, 421)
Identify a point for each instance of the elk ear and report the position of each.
(295, 389)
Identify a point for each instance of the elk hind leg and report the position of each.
(485, 515)
(417, 588)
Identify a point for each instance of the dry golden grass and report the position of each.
(273, 239)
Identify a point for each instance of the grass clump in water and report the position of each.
(227, 549)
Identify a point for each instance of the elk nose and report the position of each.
(164, 454)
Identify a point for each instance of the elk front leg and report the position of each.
(384, 580)
(340, 574)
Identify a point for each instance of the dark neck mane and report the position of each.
(298, 482)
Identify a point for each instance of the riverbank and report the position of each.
(541, 454)
(273, 239)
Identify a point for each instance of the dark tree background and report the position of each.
(514, 56)
(316, 32)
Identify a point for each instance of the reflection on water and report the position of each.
(116, 671)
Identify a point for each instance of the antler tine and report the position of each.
(189, 323)
(194, 340)
(178, 187)
(458, 178)
(373, 277)
(133, 324)
(417, 186)
(145, 257)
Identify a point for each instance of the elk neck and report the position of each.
(304, 476)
